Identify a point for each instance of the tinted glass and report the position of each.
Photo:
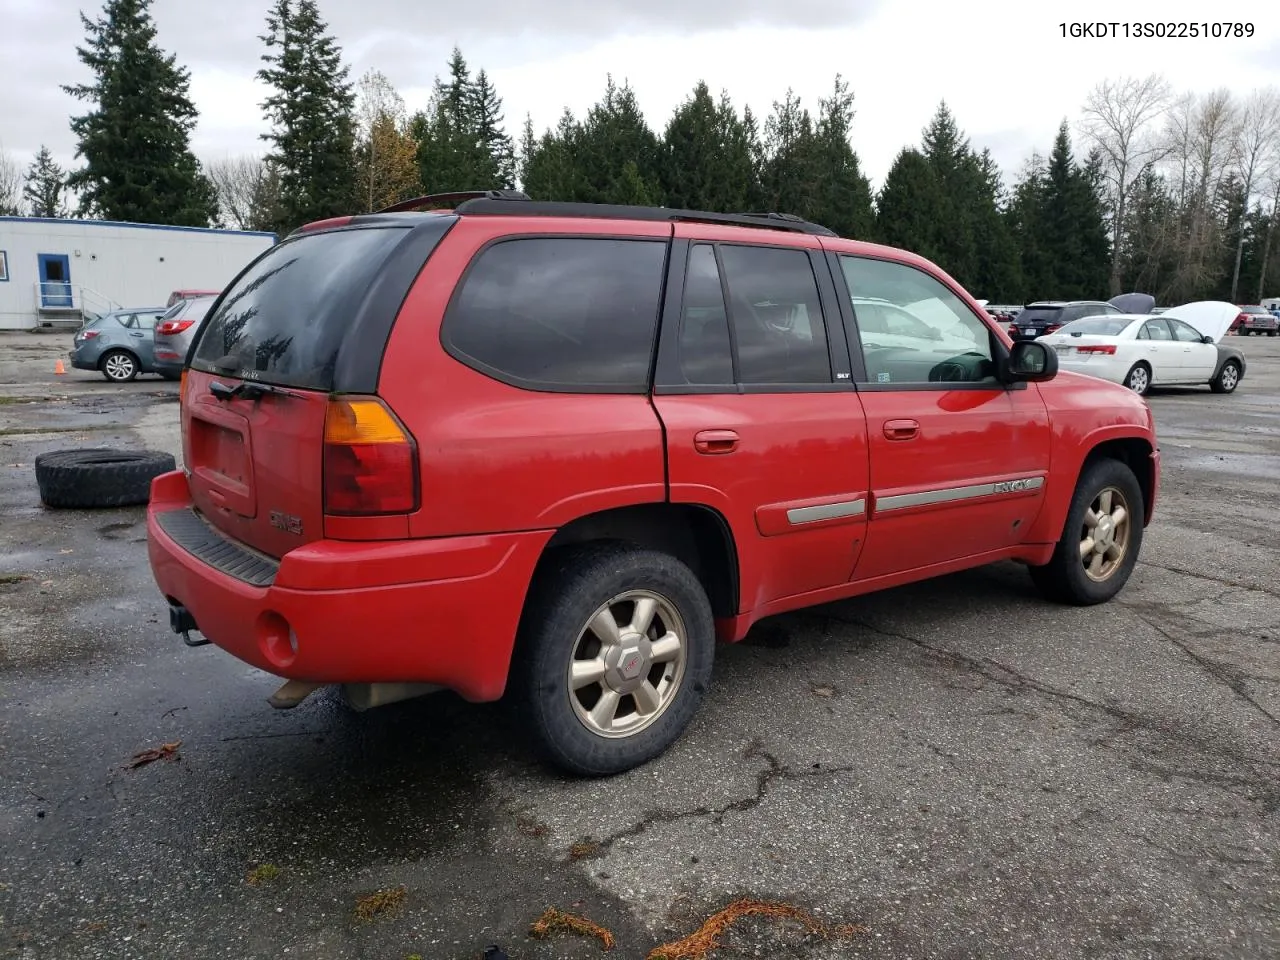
(561, 312)
(1097, 326)
(776, 315)
(705, 354)
(284, 319)
(912, 328)
(1040, 315)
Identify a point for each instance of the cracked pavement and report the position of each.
(965, 770)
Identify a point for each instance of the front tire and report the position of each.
(614, 657)
(1100, 540)
(119, 366)
(1138, 379)
(1228, 378)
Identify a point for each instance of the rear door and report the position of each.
(762, 423)
(959, 461)
(1157, 348)
(261, 371)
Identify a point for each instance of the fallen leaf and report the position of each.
(823, 690)
(167, 751)
(555, 921)
(706, 938)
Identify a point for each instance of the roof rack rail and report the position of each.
(487, 204)
(448, 199)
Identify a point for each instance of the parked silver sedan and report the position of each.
(176, 330)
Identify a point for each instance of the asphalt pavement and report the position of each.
(957, 768)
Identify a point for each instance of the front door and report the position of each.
(959, 461)
(1197, 360)
(762, 422)
(55, 279)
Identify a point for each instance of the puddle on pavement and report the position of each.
(1251, 464)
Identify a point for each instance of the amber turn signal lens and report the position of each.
(360, 421)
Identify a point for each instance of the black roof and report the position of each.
(513, 203)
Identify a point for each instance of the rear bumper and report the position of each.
(442, 611)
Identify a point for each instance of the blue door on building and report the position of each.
(55, 279)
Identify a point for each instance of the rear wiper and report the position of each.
(245, 388)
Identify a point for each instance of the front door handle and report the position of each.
(901, 429)
(715, 441)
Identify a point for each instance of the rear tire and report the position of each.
(1100, 540)
(614, 657)
(119, 366)
(1228, 378)
(1138, 379)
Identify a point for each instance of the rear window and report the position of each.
(283, 321)
(1096, 326)
(1040, 315)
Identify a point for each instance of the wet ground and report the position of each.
(958, 767)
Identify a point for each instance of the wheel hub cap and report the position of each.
(628, 663)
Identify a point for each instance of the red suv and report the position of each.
(556, 451)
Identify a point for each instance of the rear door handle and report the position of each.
(715, 441)
(901, 429)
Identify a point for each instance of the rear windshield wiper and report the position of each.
(245, 388)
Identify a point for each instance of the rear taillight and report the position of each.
(1013, 329)
(1107, 348)
(90, 334)
(170, 327)
(370, 460)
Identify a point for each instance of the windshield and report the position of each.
(1097, 326)
(285, 318)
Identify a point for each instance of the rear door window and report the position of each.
(706, 353)
(284, 319)
(775, 310)
(561, 314)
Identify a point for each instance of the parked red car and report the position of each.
(555, 451)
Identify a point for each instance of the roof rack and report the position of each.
(443, 200)
(486, 203)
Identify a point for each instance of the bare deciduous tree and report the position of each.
(11, 180)
(1257, 150)
(1119, 117)
(378, 106)
(247, 191)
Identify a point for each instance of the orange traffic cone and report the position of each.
(59, 367)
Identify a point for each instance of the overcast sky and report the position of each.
(1007, 72)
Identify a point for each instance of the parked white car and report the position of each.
(1179, 347)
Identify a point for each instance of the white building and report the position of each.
(54, 272)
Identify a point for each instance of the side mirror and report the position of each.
(1032, 361)
(1206, 339)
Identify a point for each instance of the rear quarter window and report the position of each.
(284, 319)
(560, 314)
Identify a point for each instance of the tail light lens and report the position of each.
(1106, 348)
(170, 327)
(370, 460)
(90, 334)
(1013, 329)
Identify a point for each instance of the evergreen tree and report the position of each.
(614, 134)
(498, 152)
(550, 167)
(462, 144)
(135, 140)
(707, 161)
(1026, 225)
(947, 152)
(843, 198)
(909, 206)
(311, 114)
(791, 173)
(999, 274)
(44, 186)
